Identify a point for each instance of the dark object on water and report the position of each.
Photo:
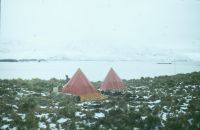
(27, 60)
(8, 60)
(41, 60)
(165, 63)
(31, 60)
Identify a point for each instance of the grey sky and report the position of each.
(50, 27)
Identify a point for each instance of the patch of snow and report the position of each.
(89, 124)
(79, 128)
(137, 110)
(45, 115)
(190, 121)
(49, 120)
(128, 91)
(60, 127)
(62, 120)
(20, 94)
(27, 92)
(164, 116)
(22, 116)
(99, 115)
(181, 111)
(184, 105)
(86, 109)
(56, 107)
(52, 126)
(135, 128)
(5, 126)
(79, 114)
(128, 105)
(162, 124)
(43, 94)
(107, 110)
(156, 101)
(86, 103)
(116, 106)
(15, 106)
(186, 86)
(194, 86)
(156, 128)
(43, 106)
(107, 101)
(138, 106)
(143, 117)
(183, 108)
(14, 128)
(164, 107)
(7, 119)
(150, 106)
(140, 87)
(42, 125)
(145, 97)
(188, 99)
(56, 104)
(16, 98)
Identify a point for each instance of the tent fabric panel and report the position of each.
(112, 82)
(79, 85)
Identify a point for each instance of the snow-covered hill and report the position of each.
(88, 51)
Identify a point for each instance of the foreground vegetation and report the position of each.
(160, 103)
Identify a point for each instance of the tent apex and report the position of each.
(79, 70)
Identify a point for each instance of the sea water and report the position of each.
(94, 70)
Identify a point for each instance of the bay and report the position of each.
(94, 70)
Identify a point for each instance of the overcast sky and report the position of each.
(78, 27)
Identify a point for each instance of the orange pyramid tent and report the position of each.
(79, 85)
(112, 82)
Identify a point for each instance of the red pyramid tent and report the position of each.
(112, 82)
(79, 85)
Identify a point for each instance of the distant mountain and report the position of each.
(8, 60)
(22, 60)
(95, 53)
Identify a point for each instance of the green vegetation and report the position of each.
(160, 103)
